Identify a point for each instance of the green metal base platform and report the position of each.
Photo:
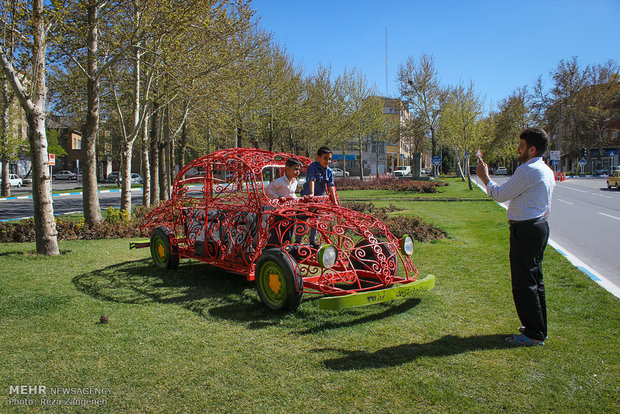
(400, 291)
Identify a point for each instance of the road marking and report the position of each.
(564, 201)
(66, 194)
(574, 189)
(601, 195)
(607, 215)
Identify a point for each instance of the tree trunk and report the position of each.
(92, 210)
(183, 147)
(434, 149)
(44, 224)
(146, 170)
(33, 104)
(164, 160)
(163, 183)
(361, 160)
(154, 155)
(6, 184)
(125, 173)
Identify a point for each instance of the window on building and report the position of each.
(378, 147)
(76, 141)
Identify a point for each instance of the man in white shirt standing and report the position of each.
(529, 190)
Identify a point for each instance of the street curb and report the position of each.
(66, 194)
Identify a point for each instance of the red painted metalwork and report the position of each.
(219, 214)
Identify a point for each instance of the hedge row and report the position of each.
(116, 225)
(400, 225)
(389, 184)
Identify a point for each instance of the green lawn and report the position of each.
(455, 189)
(199, 340)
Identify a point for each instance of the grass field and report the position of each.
(199, 340)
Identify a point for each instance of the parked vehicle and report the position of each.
(136, 178)
(113, 177)
(14, 180)
(501, 171)
(472, 169)
(65, 175)
(224, 218)
(614, 180)
(340, 173)
(604, 171)
(402, 171)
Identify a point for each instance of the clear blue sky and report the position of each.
(499, 45)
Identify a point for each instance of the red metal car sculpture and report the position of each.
(219, 214)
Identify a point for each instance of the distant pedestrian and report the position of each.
(529, 190)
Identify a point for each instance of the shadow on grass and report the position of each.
(401, 354)
(211, 292)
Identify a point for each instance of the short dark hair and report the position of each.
(293, 162)
(536, 137)
(323, 150)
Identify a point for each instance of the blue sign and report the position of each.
(583, 162)
(612, 153)
(338, 157)
(436, 160)
(554, 162)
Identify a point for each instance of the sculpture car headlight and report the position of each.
(406, 245)
(327, 255)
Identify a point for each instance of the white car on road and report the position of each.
(339, 173)
(14, 180)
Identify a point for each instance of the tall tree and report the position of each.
(459, 124)
(78, 46)
(420, 89)
(33, 101)
(514, 114)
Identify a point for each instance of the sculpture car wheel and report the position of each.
(164, 253)
(279, 287)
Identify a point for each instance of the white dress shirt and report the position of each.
(281, 187)
(529, 190)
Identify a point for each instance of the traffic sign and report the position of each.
(436, 160)
(554, 162)
(52, 158)
(612, 153)
(583, 162)
(554, 155)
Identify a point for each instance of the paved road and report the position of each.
(63, 203)
(585, 221)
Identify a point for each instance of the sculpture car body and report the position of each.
(219, 214)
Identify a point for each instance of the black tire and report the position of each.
(165, 254)
(279, 287)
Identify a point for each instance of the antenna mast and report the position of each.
(386, 62)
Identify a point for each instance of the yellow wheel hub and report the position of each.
(161, 251)
(274, 283)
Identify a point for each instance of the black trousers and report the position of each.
(527, 246)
